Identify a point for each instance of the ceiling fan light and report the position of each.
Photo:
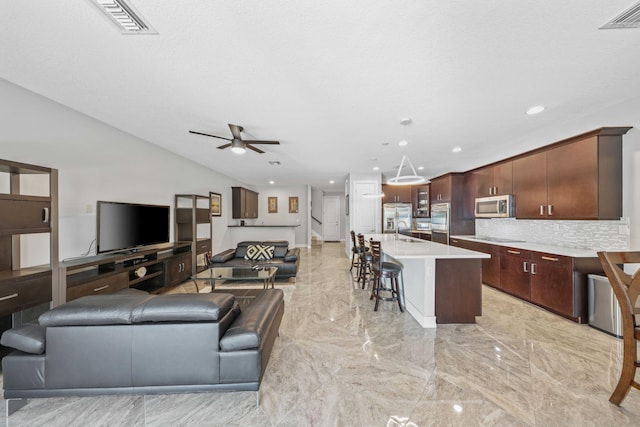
(238, 146)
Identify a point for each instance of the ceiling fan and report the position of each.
(237, 144)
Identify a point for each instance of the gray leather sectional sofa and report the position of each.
(287, 260)
(134, 342)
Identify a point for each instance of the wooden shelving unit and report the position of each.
(193, 225)
(28, 207)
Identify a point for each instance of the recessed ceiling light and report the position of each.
(272, 182)
(376, 168)
(456, 149)
(536, 109)
(420, 168)
(332, 182)
(403, 143)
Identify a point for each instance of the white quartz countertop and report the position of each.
(537, 247)
(410, 247)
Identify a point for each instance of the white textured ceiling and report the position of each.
(331, 79)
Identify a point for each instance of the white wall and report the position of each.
(98, 162)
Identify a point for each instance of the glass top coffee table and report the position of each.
(239, 274)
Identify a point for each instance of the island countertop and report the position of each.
(456, 273)
(406, 247)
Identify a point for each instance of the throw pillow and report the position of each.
(259, 252)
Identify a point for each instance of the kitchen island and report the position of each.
(442, 284)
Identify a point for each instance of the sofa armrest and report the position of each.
(223, 256)
(292, 255)
(254, 322)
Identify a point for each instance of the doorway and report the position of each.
(331, 218)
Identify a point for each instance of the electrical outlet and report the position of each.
(623, 229)
(556, 227)
(88, 208)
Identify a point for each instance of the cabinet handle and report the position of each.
(9, 297)
(533, 269)
(101, 288)
(524, 266)
(541, 209)
(513, 252)
(548, 258)
(45, 215)
(550, 210)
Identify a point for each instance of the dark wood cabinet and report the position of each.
(441, 189)
(396, 193)
(420, 198)
(26, 211)
(244, 203)
(514, 272)
(150, 268)
(494, 180)
(552, 282)
(580, 178)
(178, 269)
(490, 266)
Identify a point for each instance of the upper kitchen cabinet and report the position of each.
(441, 189)
(580, 178)
(244, 203)
(494, 180)
(420, 200)
(396, 193)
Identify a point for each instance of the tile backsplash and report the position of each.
(594, 235)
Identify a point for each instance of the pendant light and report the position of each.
(407, 178)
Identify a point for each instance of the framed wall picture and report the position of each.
(215, 200)
(293, 205)
(273, 204)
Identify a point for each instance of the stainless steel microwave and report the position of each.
(495, 207)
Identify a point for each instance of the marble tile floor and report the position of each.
(339, 363)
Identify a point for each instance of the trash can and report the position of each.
(604, 310)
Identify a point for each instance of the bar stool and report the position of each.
(384, 270)
(364, 272)
(355, 254)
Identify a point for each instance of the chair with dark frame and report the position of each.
(626, 289)
(384, 270)
(355, 254)
(364, 271)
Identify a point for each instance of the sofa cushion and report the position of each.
(292, 255)
(184, 308)
(259, 252)
(113, 309)
(224, 256)
(280, 251)
(29, 338)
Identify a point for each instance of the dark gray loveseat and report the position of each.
(287, 260)
(134, 342)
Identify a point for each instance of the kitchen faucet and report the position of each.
(398, 227)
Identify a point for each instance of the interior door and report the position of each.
(331, 218)
(365, 208)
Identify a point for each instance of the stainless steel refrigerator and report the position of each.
(396, 216)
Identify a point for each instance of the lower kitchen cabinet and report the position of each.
(515, 272)
(552, 282)
(490, 266)
(555, 282)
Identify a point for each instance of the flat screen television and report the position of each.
(126, 226)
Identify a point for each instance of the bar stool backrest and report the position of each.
(376, 253)
(626, 288)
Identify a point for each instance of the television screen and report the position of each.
(123, 226)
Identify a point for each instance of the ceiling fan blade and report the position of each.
(257, 150)
(262, 142)
(224, 146)
(235, 131)
(206, 134)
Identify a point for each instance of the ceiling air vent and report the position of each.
(630, 18)
(125, 17)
